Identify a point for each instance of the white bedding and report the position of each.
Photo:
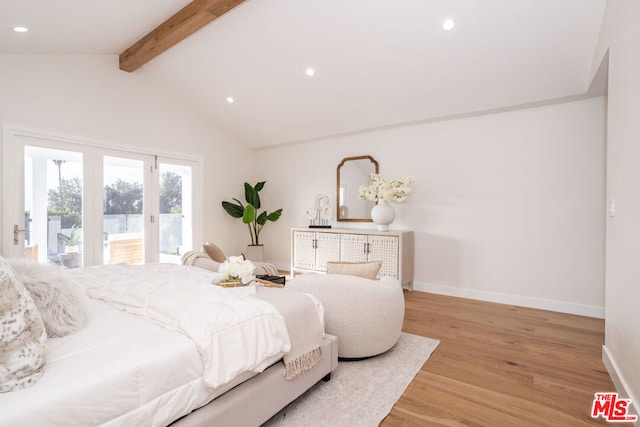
(118, 370)
(233, 331)
(123, 370)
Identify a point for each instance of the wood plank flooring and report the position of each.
(501, 365)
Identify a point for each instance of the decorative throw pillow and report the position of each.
(59, 298)
(214, 252)
(368, 270)
(22, 334)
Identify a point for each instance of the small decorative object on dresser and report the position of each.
(383, 192)
(383, 214)
(321, 213)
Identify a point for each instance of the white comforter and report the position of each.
(234, 332)
(117, 371)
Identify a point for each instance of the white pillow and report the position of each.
(22, 334)
(59, 298)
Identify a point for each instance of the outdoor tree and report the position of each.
(170, 193)
(123, 197)
(67, 198)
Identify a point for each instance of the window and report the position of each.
(87, 204)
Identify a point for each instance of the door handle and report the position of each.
(16, 232)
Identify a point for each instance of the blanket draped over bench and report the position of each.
(234, 331)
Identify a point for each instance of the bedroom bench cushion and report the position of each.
(22, 334)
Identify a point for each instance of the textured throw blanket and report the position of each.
(305, 331)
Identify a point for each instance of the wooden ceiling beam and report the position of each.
(185, 22)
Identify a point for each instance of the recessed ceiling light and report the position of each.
(448, 24)
(310, 72)
(20, 29)
(230, 100)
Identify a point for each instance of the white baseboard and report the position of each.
(522, 301)
(618, 381)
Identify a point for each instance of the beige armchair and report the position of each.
(211, 256)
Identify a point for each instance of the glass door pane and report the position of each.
(176, 218)
(53, 206)
(123, 221)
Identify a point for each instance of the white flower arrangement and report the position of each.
(396, 191)
(237, 268)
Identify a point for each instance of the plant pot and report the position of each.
(73, 249)
(70, 260)
(255, 253)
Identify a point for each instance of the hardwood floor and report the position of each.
(501, 365)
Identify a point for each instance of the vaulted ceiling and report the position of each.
(377, 63)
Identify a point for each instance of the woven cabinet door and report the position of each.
(327, 249)
(304, 250)
(353, 248)
(385, 249)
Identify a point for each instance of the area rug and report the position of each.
(360, 393)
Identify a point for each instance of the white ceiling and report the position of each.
(378, 62)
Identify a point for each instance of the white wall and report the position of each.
(88, 97)
(506, 207)
(620, 35)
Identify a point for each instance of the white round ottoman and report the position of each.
(366, 315)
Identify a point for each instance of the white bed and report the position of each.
(123, 370)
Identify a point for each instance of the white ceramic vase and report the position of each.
(382, 215)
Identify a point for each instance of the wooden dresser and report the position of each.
(311, 248)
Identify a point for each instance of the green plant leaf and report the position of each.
(72, 239)
(234, 210)
(259, 186)
(262, 218)
(275, 215)
(249, 214)
(250, 194)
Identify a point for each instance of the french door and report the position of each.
(73, 203)
(176, 209)
(53, 201)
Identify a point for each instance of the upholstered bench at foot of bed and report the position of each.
(254, 401)
(366, 315)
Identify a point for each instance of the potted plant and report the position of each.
(249, 214)
(71, 257)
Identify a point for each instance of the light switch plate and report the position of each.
(611, 207)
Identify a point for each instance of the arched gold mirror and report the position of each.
(354, 172)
